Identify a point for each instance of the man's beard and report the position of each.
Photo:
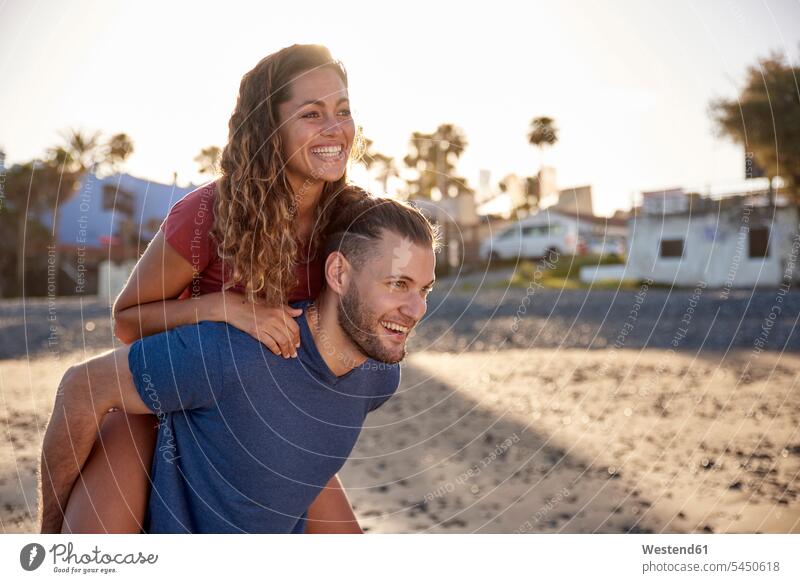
(359, 324)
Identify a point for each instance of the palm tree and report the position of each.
(79, 152)
(372, 159)
(59, 176)
(386, 170)
(542, 134)
(433, 157)
(208, 160)
(117, 150)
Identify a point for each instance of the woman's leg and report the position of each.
(112, 491)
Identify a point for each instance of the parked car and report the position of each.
(534, 237)
(606, 246)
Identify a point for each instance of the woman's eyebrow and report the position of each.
(320, 102)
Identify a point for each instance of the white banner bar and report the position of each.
(401, 558)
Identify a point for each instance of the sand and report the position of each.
(531, 441)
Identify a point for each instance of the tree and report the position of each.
(386, 170)
(79, 152)
(371, 159)
(433, 157)
(765, 119)
(542, 134)
(31, 190)
(208, 160)
(39, 186)
(85, 152)
(116, 152)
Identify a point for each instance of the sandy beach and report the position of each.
(508, 439)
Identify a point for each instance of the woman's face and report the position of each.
(316, 128)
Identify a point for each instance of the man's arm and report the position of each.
(331, 512)
(86, 393)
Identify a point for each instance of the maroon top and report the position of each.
(187, 229)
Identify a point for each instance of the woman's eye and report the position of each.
(310, 114)
(345, 113)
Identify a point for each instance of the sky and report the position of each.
(628, 82)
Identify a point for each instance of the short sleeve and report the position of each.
(187, 227)
(386, 385)
(180, 369)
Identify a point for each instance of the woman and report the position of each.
(254, 232)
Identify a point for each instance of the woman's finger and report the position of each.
(268, 341)
(293, 330)
(293, 312)
(283, 339)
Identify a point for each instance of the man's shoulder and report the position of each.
(376, 371)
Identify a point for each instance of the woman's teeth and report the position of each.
(327, 151)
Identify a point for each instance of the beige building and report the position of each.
(575, 201)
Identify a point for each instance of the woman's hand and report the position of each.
(274, 327)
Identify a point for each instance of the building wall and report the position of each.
(86, 226)
(83, 219)
(575, 201)
(716, 247)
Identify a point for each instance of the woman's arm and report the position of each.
(331, 512)
(147, 304)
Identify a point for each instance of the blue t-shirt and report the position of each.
(247, 439)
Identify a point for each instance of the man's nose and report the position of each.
(415, 307)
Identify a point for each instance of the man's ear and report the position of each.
(338, 273)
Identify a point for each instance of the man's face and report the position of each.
(387, 297)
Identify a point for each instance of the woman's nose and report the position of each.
(333, 127)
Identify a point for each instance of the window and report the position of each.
(536, 231)
(758, 242)
(671, 247)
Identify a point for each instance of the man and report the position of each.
(247, 439)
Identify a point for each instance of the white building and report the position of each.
(737, 241)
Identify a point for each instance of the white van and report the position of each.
(534, 237)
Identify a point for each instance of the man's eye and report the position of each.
(399, 284)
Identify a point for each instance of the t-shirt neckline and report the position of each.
(317, 361)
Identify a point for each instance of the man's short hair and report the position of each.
(361, 224)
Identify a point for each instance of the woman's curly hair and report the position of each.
(255, 210)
